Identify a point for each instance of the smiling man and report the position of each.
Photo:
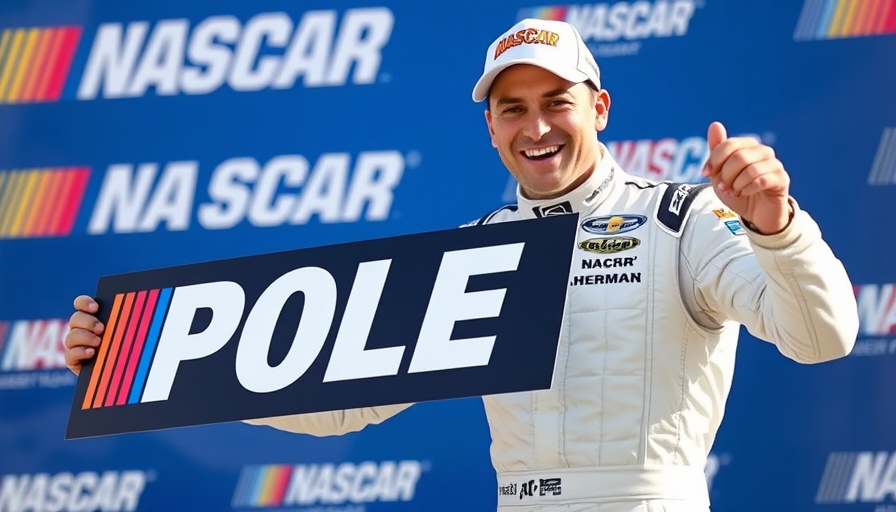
(554, 151)
(663, 276)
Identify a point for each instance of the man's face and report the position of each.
(545, 129)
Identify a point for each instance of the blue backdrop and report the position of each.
(142, 135)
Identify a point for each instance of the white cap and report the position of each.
(553, 45)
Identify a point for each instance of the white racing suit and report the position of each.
(662, 277)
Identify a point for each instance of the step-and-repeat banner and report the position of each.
(142, 135)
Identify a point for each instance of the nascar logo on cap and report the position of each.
(539, 43)
(527, 36)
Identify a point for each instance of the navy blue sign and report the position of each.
(422, 317)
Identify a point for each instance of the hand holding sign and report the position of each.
(407, 319)
(84, 333)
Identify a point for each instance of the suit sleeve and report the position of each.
(788, 289)
(332, 423)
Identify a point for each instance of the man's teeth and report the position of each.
(532, 153)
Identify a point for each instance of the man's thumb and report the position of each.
(716, 134)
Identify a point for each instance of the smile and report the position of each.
(542, 153)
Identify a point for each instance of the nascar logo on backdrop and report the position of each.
(110, 491)
(617, 29)
(346, 483)
(858, 477)
(147, 197)
(877, 319)
(32, 354)
(833, 19)
(40, 202)
(883, 171)
(270, 50)
(34, 63)
(242, 189)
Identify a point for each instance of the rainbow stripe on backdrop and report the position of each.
(127, 348)
(883, 171)
(34, 62)
(548, 12)
(262, 486)
(4, 328)
(834, 19)
(41, 202)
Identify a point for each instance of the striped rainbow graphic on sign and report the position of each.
(127, 348)
(833, 19)
(34, 62)
(40, 202)
(262, 486)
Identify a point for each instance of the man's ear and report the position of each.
(491, 131)
(602, 109)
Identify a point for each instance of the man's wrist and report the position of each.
(752, 227)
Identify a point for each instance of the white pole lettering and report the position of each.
(350, 360)
(226, 299)
(252, 368)
(449, 304)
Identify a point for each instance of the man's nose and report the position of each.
(536, 127)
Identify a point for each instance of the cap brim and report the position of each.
(484, 84)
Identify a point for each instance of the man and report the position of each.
(663, 276)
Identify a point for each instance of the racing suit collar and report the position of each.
(584, 197)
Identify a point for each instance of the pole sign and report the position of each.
(438, 315)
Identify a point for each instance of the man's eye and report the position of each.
(512, 110)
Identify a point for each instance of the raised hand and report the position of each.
(749, 179)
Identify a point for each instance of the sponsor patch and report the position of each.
(724, 213)
(507, 490)
(735, 227)
(613, 262)
(612, 278)
(528, 489)
(613, 224)
(549, 486)
(609, 245)
(553, 209)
